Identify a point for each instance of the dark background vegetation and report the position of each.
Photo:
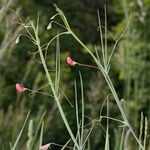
(129, 68)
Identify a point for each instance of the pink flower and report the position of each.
(70, 61)
(45, 147)
(20, 88)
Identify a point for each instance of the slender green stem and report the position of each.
(112, 89)
(120, 121)
(82, 121)
(107, 129)
(122, 139)
(109, 82)
(77, 112)
(53, 88)
(89, 66)
(105, 37)
(101, 38)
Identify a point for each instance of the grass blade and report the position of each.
(82, 121)
(19, 136)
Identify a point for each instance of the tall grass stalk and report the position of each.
(77, 113)
(82, 120)
(104, 72)
(145, 132)
(107, 130)
(122, 139)
(83, 141)
(79, 141)
(36, 40)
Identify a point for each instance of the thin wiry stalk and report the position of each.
(122, 139)
(145, 132)
(102, 106)
(107, 130)
(52, 86)
(110, 118)
(106, 36)
(96, 51)
(141, 128)
(101, 38)
(55, 22)
(57, 75)
(82, 122)
(77, 113)
(65, 146)
(112, 89)
(104, 72)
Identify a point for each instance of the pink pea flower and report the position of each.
(45, 147)
(20, 88)
(70, 61)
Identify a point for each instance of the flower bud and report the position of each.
(20, 88)
(70, 61)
